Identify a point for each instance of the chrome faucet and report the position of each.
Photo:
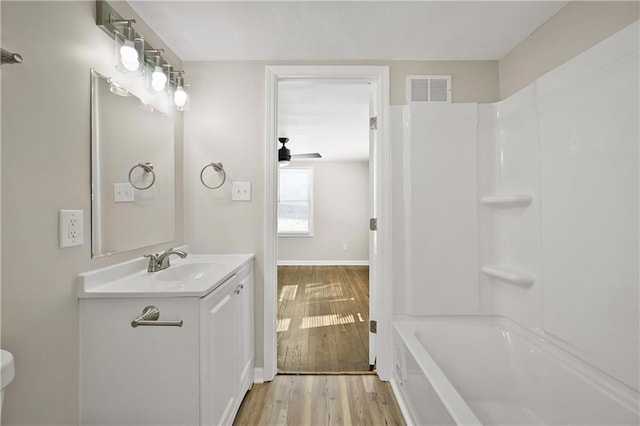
(158, 262)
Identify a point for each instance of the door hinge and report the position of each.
(373, 123)
(373, 224)
(373, 326)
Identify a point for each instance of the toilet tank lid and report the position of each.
(8, 368)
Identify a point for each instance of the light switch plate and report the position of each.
(123, 193)
(71, 227)
(241, 191)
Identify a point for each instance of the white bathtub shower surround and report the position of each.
(441, 203)
(489, 370)
(570, 140)
(557, 205)
(509, 213)
(589, 183)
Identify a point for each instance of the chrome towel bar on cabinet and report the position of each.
(150, 316)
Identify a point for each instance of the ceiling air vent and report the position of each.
(428, 88)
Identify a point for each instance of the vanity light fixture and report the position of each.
(129, 47)
(131, 57)
(156, 77)
(180, 97)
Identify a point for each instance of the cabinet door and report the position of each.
(143, 375)
(219, 355)
(246, 330)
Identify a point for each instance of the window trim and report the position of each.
(299, 234)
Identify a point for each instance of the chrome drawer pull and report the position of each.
(150, 316)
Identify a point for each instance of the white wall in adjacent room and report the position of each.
(340, 200)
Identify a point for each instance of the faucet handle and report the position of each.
(153, 262)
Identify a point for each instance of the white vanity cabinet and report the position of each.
(227, 349)
(195, 374)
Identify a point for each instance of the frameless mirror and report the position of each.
(132, 171)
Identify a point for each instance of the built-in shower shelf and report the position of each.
(510, 275)
(507, 200)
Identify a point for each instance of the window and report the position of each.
(295, 207)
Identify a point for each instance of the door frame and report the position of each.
(382, 280)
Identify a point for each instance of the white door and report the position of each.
(373, 235)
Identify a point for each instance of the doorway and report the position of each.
(378, 77)
(323, 238)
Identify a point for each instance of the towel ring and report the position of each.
(148, 168)
(218, 168)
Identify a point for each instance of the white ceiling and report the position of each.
(335, 30)
(333, 119)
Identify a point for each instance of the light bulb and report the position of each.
(180, 97)
(158, 79)
(131, 64)
(127, 51)
(129, 56)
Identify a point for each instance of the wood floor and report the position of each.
(320, 400)
(323, 317)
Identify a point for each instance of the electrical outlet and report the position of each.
(345, 246)
(71, 228)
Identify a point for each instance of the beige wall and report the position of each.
(45, 167)
(226, 123)
(574, 29)
(340, 205)
(472, 81)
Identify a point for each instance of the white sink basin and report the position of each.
(186, 272)
(7, 371)
(196, 275)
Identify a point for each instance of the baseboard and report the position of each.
(323, 263)
(258, 375)
(404, 409)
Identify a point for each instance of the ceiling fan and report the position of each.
(285, 156)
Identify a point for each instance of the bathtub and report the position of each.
(489, 370)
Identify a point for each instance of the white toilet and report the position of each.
(7, 372)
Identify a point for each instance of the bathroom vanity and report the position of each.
(189, 365)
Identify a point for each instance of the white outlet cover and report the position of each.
(71, 228)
